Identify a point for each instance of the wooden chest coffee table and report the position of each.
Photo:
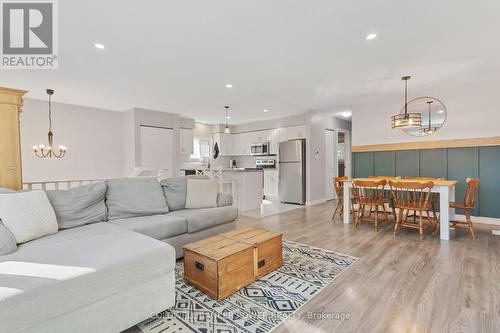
(223, 264)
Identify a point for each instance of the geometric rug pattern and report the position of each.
(259, 307)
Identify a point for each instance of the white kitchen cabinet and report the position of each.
(262, 136)
(246, 142)
(271, 184)
(296, 132)
(283, 134)
(186, 141)
(274, 141)
(225, 143)
(237, 144)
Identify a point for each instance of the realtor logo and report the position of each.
(29, 34)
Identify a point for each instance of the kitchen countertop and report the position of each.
(227, 169)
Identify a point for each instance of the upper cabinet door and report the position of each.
(297, 132)
(274, 141)
(226, 144)
(237, 144)
(283, 134)
(186, 141)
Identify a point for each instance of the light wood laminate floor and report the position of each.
(399, 283)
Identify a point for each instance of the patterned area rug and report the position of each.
(261, 306)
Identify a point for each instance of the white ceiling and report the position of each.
(287, 56)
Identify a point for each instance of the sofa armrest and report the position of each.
(224, 199)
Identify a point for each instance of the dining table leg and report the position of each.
(347, 202)
(445, 195)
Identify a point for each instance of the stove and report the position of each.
(265, 164)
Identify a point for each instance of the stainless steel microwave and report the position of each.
(259, 149)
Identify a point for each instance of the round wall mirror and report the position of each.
(433, 114)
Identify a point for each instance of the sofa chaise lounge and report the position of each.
(111, 264)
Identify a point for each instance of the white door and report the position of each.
(157, 150)
(330, 167)
(343, 157)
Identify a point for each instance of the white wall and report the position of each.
(316, 123)
(93, 137)
(473, 111)
(269, 124)
(101, 143)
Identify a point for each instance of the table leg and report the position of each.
(451, 197)
(347, 204)
(444, 215)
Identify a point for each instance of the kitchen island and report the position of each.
(245, 184)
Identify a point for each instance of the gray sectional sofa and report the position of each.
(111, 264)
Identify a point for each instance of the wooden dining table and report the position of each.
(445, 188)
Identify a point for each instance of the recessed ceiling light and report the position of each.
(441, 111)
(228, 117)
(346, 114)
(99, 46)
(229, 86)
(265, 110)
(371, 36)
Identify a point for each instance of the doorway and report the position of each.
(157, 149)
(337, 158)
(330, 162)
(343, 152)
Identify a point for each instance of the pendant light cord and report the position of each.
(50, 114)
(429, 102)
(406, 97)
(227, 107)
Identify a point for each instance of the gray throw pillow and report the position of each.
(79, 206)
(175, 190)
(7, 240)
(130, 197)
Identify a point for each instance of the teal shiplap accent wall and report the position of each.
(433, 163)
(407, 163)
(489, 181)
(384, 163)
(363, 164)
(463, 163)
(450, 163)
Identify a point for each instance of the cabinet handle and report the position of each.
(13, 168)
(261, 263)
(199, 265)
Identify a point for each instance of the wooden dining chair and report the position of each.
(338, 185)
(467, 205)
(434, 200)
(389, 205)
(369, 195)
(412, 196)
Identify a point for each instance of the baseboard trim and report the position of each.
(479, 219)
(315, 202)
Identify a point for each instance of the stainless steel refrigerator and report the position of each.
(292, 171)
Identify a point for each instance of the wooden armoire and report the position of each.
(11, 102)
